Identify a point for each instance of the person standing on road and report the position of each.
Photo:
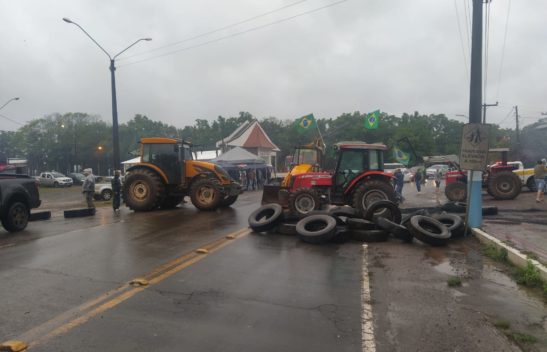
(88, 187)
(399, 183)
(539, 176)
(116, 191)
(418, 179)
(438, 179)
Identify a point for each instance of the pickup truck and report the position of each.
(54, 179)
(18, 194)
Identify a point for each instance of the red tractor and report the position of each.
(358, 181)
(499, 179)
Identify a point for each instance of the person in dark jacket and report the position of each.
(418, 179)
(116, 191)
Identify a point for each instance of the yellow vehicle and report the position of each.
(305, 159)
(167, 173)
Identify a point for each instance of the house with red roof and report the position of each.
(251, 137)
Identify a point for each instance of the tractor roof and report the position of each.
(163, 140)
(360, 145)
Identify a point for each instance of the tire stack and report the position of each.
(340, 224)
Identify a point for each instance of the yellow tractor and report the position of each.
(167, 173)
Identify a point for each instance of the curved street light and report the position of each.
(115, 139)
(9, 101)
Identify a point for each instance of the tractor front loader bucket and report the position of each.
(275, 194)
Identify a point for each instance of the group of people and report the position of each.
(419, 179)
(88, 189)
(253, 179)
(540, 176)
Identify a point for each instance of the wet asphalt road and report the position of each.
(65, 288)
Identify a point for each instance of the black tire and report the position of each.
(370, 192)
(16, 217)
(347, 212)
(40, 215)
(143, 190)
(316, 228)
(454, 207)
(360, 224)
(531, 184)
(227, 201)
(266, 217)
(78, 213)
(453, 222)
(397, 230)
(342, 235)
(303, 201)
(55, 184)
(205, 194)
(171, 202)
(456, 191)
(429, 230)
(106, 194)
(490, 210)
(287, 228)
(406, 217)
(392, 211)
(369, 235)
(504, 185)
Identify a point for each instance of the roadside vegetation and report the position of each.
(523, 340)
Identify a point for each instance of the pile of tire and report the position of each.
(381, 220)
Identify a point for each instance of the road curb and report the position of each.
(513, 255)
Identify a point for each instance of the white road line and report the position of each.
(367, 324)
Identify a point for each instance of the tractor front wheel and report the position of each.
(372, 191)
(304, 200)
(456, 191)
(205, 195)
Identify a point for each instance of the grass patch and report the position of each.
(492, 252)
(502, 324)
(521, 338)
(530, 255)
(529, 276)
(454, 281)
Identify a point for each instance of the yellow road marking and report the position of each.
(79, 315)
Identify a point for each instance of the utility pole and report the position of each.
(484, 106)
(518, 131)
(474, 208)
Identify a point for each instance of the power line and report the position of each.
(506, 117)
(215, 30)
(236, 34)
(467, 11)
(503, 50)
(9, 119)
(464, 54)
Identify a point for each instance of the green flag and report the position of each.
(372, 119)
(400, 156)
(305, 123)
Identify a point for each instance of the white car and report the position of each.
(103, 191)
(431, 171)
(391, 167)
(54, 179)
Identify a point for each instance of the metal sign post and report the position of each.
(474, 157)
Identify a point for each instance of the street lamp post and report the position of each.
(9, 101)
(115, 138)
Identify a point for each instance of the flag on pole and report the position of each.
(305, 123)
(400, 156)
(372, 119)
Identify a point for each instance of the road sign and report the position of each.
(474, 147)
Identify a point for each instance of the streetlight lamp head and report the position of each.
(67, 20)
(16, 98)
(147, 39)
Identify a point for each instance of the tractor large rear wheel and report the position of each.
(504, 185)
(143, 190)
(456, 191)
(372, 191)
(205, 195)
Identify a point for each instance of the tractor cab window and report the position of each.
(350, 165)
(187, 152)
(375, 160)
(163, 155)
(307, 156)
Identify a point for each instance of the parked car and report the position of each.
(391, 167)
(54, 179)
(77, 178)
(18, 194)
(103, 191)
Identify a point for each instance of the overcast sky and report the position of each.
(357, 55)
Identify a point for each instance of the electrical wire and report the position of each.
(467, 12)
(464, 54)
(9, 119)
(506, 117)
(236, 34)
(214, 30)
(503, 51)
